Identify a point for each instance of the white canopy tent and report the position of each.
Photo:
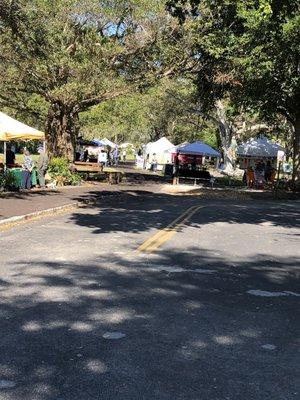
(259, 147)
(159, 148)
(198, 148)
(108, 142)
(11, 129)
(105, 142)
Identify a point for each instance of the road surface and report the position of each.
(150, 296)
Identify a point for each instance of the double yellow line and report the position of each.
(163, 235)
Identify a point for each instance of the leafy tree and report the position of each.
(62, 57)
(147, 116)
(269, 63)
(248, 51)
(121, 120)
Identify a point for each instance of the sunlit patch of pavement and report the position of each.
(170, 269)
(5, 384)
(113, 335)
(268, 347)
(265, 293)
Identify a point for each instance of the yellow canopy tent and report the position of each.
(11, 129)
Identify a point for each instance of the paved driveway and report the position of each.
(211, 313)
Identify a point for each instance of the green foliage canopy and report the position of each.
(248, 51)
(61, 57)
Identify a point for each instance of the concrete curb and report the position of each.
(8, 223)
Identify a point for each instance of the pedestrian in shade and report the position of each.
(42, 166)
(27, 168)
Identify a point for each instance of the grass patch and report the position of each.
(19, 158)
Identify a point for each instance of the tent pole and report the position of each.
(4, 155)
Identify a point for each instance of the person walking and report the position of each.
(42, 166)
(115, 156)
(27, 168)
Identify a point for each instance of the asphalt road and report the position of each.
(210, 314)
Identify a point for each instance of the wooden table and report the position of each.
(113, 175)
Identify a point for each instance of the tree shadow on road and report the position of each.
(138, 211)
(192, 334)
(30, 194)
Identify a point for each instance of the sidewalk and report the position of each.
(22, 203)
(16, 204)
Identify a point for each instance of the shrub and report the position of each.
(8, 180)
(229, 181)
(59, 168)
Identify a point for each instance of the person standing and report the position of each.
(27, 168)
(115, 156)
(250, 177)
(124, 155)
(10, 156)
(42, 166)
(85, 155)
(176, 169)
(259, 175)
(268, 172)
(154, 163)
(194, 164)
(102, 159)
(146, 161)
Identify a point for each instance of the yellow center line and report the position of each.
(161, 232)
(165, 234)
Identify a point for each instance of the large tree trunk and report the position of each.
(296, 150)
(226, 134)
(61, 131)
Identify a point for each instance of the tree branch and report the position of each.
(20, 107)
(195, 111)
(93, 101)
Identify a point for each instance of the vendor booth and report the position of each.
(194, 153)
(188, 161)
(257, 150)
(11, 130)
(87, 151)
(157, 151)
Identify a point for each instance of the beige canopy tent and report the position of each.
(11, 129)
